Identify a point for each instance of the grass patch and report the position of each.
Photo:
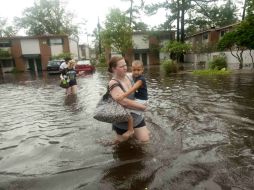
(211, 72)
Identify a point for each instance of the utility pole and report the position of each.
(99, 35)
(76, 39)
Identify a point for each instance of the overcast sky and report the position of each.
(83, 9)
(89, 10)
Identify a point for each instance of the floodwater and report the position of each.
(202, 135)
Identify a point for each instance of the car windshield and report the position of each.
(54, 63)
(84, 62)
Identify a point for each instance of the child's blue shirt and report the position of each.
(141, 93)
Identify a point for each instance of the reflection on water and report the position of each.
(130, 165)
(202, 134)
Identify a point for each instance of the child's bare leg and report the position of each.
(130, 130)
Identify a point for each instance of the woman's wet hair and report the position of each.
(72, 62)
(113, 63)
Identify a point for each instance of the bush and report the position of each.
(102, 61)
(62, 56)
(93, 61)
(218, 63)
(4, 54)
(169, 66)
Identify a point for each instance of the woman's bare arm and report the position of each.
(117, 91)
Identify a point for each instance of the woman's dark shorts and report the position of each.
(73, 82)
(122, 131)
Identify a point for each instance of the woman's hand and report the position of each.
(80, 73)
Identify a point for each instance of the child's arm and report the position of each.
(61, 77)
(133, 89)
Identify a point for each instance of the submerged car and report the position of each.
(53, 66)
(84, 66)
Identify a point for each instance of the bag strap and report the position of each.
(116, 84)
(107, 94)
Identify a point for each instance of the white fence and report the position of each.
(201, 60)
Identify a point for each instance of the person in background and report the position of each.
(70, 75)
(64, 64)
(117, 66)
(139, 89)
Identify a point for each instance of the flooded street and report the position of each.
(202, 135)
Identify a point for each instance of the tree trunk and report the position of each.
(244, 9)
(182, 20)
(177, 21)
(238, 57)
(99, 35)
(252, 61)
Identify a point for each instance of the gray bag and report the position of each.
(110, 111)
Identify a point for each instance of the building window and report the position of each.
(223, 32)
(44, 42)
(205, 36)
(6, 43)
(136, 56)
(56, 41)
(7, 63)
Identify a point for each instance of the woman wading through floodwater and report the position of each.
(117, 66)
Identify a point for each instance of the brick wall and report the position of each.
(17, 55)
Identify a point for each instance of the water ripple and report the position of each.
(201, 135)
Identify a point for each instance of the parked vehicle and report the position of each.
(84, 66)
(53, 66)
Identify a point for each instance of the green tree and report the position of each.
(5, 29)
(176, 49)
(177, 11)
(207, 16)
(134, 14)
(247, 29)
(241, 38)
(194, 15)
(247, 5)
(140, 26)
(62, 56)
(232, 41)
(117, 34)
(47, 17)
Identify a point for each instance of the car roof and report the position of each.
(83, 62)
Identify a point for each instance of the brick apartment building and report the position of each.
(146, 47)
(34, 52)
(208, 38)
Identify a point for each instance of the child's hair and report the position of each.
(137, 62)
